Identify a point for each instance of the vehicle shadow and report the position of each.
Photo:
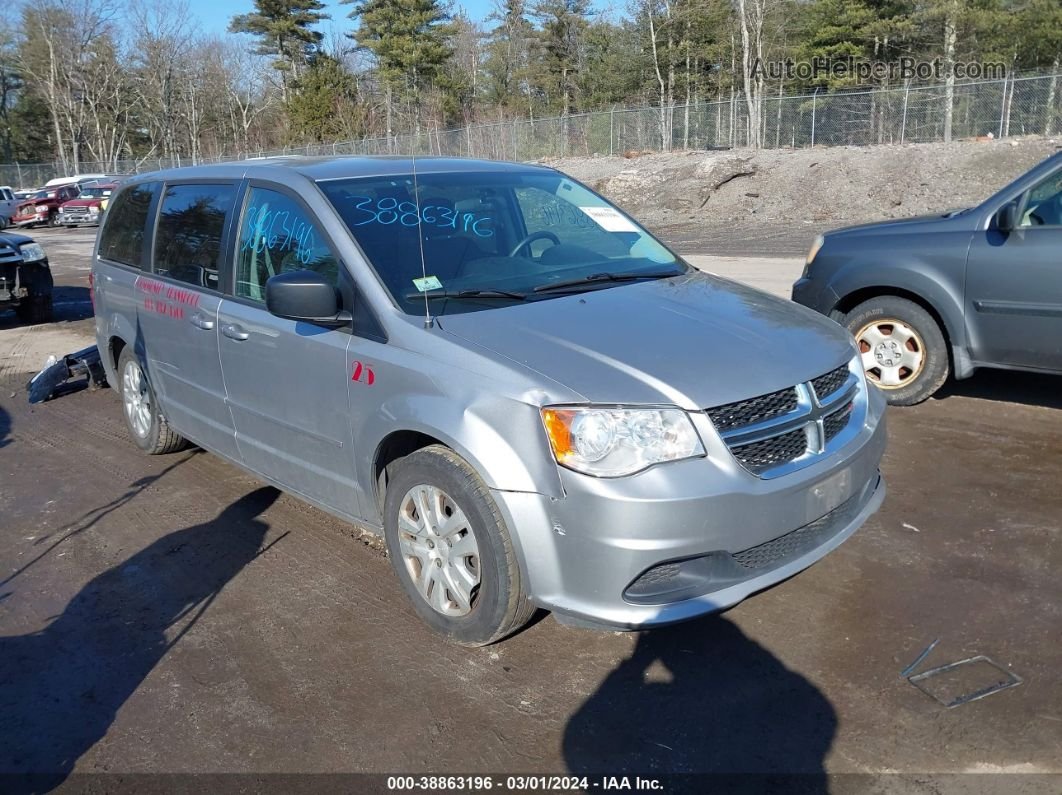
(5, 427)
(1009, 386)
(704, 698)
(63, 685)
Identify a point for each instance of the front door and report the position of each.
(1014, 284)
(178, 312)
(287, 381)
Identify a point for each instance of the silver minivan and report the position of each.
(535, 401)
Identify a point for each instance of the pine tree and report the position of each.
(564, 24)
(324, 105)
(410, 42)
(285, 30)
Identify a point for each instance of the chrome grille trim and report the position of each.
(768, 447)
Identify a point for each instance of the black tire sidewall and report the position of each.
(936, 369)
(150, 442)
(441, 468)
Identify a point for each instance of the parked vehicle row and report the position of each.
(68, 201)
(536, 403)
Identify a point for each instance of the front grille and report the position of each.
(79, 216)
(769, 432)
(797, 542)
(834, 423)
(826, 385)
(757, 409)
(760, 456)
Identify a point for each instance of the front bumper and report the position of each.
(67, 218)
(815, 294)
(586, 554)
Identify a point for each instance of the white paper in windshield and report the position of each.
(609, 219)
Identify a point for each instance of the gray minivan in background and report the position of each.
(536, 403)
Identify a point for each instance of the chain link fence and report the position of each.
(1000, 108)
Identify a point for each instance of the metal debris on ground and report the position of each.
(57, 371)
(961, 682)
(910, 669)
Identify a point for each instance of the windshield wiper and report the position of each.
(468, 294)
(606, 277)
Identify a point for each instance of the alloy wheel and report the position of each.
(136, 399)
(439, 550)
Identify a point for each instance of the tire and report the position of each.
(34, 311)
(904, 350)
(497, 603)
(53, 220)
(149, 430)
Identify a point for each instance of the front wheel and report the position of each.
(54, 220)
(902, 348)
(451, 549)
(145, 421)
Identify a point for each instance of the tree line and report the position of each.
(104, 80)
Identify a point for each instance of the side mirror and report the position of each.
(1007, 217)
(305, 295)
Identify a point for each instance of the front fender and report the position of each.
(501, 438)
(921, 280)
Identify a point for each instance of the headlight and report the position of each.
(812, 253)
(42, 209)
(94, 210)
(609, 442)
(31, 252)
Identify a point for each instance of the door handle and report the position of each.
(201, 321)
(234, 332)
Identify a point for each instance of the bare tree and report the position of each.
(751, 14)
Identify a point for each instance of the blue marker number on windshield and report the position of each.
(389, 210)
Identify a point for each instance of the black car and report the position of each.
(25, 278)
(949, 293)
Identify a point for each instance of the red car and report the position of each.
(89, 206)
(43, 206)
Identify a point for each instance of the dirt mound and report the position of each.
(838, 185)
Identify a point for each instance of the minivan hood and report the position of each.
(694, 341)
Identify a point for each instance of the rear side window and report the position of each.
(191, 224)
(122, 238)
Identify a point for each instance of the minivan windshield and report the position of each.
(492, 239)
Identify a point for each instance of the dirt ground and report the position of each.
(172, 615)
(811, 188)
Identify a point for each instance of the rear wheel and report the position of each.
(53, 220)
(451, 550)
(902, 348)
(145, 421)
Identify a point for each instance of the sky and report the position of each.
(214, 15)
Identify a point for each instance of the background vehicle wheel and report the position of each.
(451, 549)
(53, 220)
(146, 424)
(35, 310)
(903, 348)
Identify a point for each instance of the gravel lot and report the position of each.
(170, 614)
